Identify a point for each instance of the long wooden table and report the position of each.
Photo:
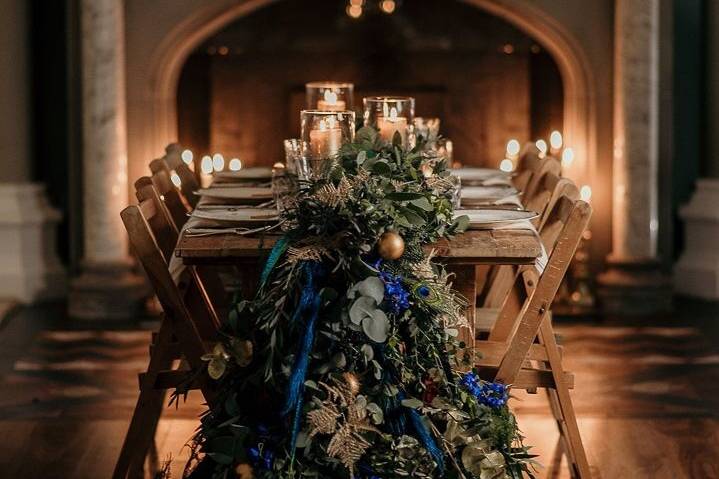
(462, 254)
(474, 247)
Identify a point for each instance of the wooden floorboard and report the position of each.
(647, 397)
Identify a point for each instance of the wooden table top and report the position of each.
(505, 246)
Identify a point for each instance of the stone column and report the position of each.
(29, 267)
(697, 271)
(107, 288)
(633, 282)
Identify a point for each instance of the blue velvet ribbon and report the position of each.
(309, 306)
(426, 438)
(277, 251)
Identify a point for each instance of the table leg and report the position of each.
(465, 283)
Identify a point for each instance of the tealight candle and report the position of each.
(388, 125)
(330, 102)
(326, 140)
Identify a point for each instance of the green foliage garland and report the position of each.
(383, 394)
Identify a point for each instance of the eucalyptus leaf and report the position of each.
(372, 287)
(376, 327)
(412, 403)
(362, 308)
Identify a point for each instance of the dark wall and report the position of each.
(50, 129)
(689, 98)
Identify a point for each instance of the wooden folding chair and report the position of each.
(189, 184)
(189, 324)
(551, 188)
(175, 202)
(521, 349)
(527, 164)
(546, 166)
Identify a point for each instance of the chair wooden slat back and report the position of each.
(527, 164)
(197, 287)
(172, 198)
(503, 277)
(157, 216)
(150, 254)
(547, 166)
(189, 183)
(574, 218)
(516, 287)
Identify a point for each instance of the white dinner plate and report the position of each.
(495, 217)
(479, 174)
(251, 173)
(487, 193)
(237, 192)
(255, 216)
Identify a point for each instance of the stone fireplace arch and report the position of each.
(159, 118)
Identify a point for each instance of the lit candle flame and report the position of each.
(218, 162)
(187, 156)
(567, 157)
(542, 147)
(330, 97)
(506, 165)
(556, 140)
(513, 148)
(393, 114)
(235, 164)
(206, 165)
(175, 178)
(585, 193)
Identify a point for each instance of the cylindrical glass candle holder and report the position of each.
(390, 115)
(427, 128)
(293, 154)
(323, 133)
(329, 96)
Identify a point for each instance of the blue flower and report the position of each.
(262, 457)
(494, 395)
(395, 294)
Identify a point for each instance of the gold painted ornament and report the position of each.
(390, 245)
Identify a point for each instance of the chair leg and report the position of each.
(147, 411)
(577, 458)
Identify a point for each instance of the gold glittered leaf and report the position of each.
(216, 368)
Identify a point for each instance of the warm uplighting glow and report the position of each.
(388, 6)
(175, 178)
(187, 156)
(357, 3)
(542, 147)
(585, 193)
(513, 148)
(206, 165)
(567, 157)
(555, 140)
(235, 164)
(506, 165)
(218, 162)
(354, 11)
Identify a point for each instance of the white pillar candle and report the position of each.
(330, 102)
(388, 125)
(326, 140)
